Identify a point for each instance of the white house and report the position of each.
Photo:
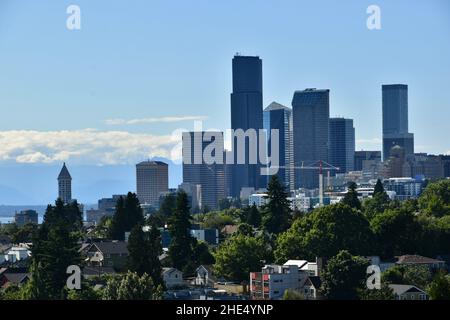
(17, 253)
(172, 277)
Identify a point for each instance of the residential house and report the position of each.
(416, 260)
(17, 253)
(311, 288)
(108, 254)
(13, 277)
(172, 277)
(204, 277)
(408, 292)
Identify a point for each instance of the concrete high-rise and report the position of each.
(65, 185)
(152, 179)
(310, 116)
(342, 144)
(395, 119)
(246, 113)
(279, 117)
(203, 165)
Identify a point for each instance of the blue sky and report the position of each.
(165, 61)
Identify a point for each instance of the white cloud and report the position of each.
(115, 122)
(88, 146)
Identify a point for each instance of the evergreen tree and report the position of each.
(168, 205)
(253, 216)
(276, 217)
(379, 189)
(351, 197)
(144, 249)
(180, 249)
(127, 215)
(55, 247)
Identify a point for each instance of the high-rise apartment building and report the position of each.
(152, 179)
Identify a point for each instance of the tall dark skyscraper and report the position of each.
(311, 114)
(197, 170)
(279, 117)
(395, 119)
(65, 185)
(246, 113)
(342, 144)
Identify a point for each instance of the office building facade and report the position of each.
(203, 165)
(310, 122)
(279, 117)
(152, 179)
(342, 144)
(246, 113)
(395, 119)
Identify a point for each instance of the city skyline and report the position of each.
(122, 89)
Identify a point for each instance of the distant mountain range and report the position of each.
(32, 184)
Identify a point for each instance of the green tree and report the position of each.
(245, 229)
(396, 232)
(277, 212)
(181, 245)
(202, 254)
(127, 215)
(419, 276)
(55, 247)
(238, 256)
(253, 216)
(290, 294)
(324, 232)
(131, 286)
(224, 204)
(351, 197)
(87, 292)
(435, 199)
(379, 189)
(344, 276)
(25, 233)
(439, 288)
(168, 205)
(144, 249)
(384, 293)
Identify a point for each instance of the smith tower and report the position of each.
(65, 185)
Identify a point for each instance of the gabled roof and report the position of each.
(64, 174)
(314, 281)
(14, 275)
(170, 270)
(416, 259)
(111, 247)
(400, 289)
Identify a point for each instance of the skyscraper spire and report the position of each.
(65, 185)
